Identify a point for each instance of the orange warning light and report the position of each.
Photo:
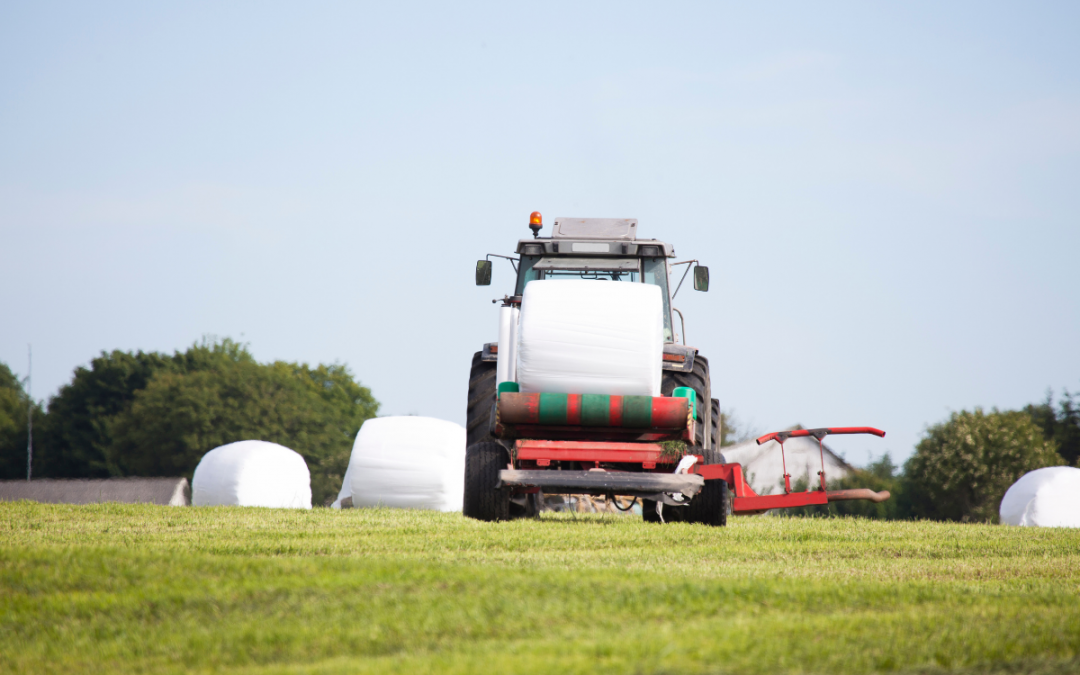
(536, 221)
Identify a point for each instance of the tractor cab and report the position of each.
(601, 249)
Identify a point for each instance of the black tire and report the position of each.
(478, 427)
(710, 506)
(698, 380)
(648, 511)
(717, 430)
(483, 501)
(481, 398)
(717, 444)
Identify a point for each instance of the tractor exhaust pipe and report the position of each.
(862, 493)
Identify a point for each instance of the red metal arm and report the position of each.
(781, 436)
(746, 501)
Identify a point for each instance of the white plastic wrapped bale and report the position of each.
(252, 473)
(591, 337)
(1047, 497)
(346, 487)
(407, 463)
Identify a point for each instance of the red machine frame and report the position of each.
(542, 452)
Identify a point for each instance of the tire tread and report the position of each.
(483, 501)
(481, 398)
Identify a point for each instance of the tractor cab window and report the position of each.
(600, 269)
(655, 272)
(631, 276)
(526, 273)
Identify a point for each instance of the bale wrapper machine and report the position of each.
(662, 450)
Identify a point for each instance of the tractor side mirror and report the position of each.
(483, 272)
(701, 278)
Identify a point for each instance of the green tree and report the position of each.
(1067, 434)
(150, 414)
(219, 394)
(1062, 425)
(74, 442)
(963, 466)
(13, 419)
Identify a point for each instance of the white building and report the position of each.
(763, 465)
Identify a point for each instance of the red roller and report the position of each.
(615, 411)
(573, 409)
(669, 412)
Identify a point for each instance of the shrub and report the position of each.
(963, 466)
(13, 431)
(74, 443)
(1061, 425)
(150, 414)
(179, 417)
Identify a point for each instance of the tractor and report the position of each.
(663, 451)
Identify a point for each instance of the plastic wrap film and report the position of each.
(346, 487)
(515, 325)
(506, 350)
(591, 337)
(252, 473)
(1047, 497)
(407, 463)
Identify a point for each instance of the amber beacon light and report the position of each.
(535, 223)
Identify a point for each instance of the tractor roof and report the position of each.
(595, 237)
(624, 229)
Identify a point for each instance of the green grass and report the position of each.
(116, 588)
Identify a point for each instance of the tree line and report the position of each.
(153, 414)
(963, 465)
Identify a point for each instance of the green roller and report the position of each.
(637, 411)
(595, 410)
(553, 409)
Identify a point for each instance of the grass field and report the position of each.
(117, 588)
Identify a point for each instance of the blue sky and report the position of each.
(886, 195)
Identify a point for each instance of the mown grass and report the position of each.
(117, 588)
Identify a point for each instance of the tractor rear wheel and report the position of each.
(717, 431)
(698, 380)
(478, 428)
(709, 506)
(648, 511)
(483, 500)
(481, 398)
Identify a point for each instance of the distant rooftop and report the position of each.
(164, 491)
(764, 466)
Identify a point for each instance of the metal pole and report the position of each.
(29, 412)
